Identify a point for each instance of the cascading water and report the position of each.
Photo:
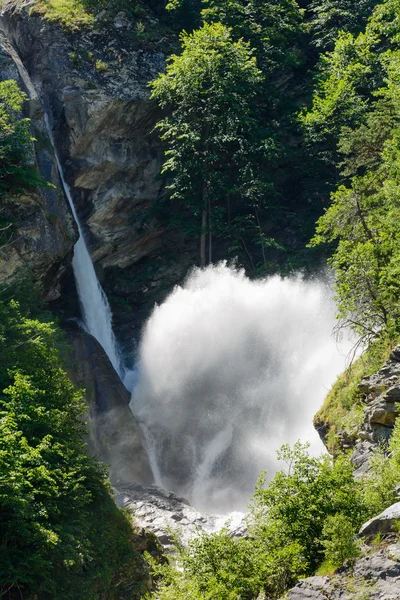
(96, 312)
(229, 369)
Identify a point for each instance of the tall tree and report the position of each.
(211, 131)
(332, 16)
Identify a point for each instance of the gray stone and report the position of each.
(375, 576)
(316, 588)
(163, 513)
(382, 523)
(376, 566)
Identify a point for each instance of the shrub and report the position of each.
(339, 540)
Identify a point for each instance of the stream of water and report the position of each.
(96, 312)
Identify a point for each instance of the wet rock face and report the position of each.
(374, 576)
(42, 232)
(114, 434)
(382, 407)
(94, 85)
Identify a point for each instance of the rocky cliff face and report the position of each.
(380, 396)
(42, 232)
(382, 406)
(93, 84)
(41, 238)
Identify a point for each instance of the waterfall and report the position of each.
(230, 369)
(96, 312)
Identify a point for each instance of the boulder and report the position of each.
(382, 523)
(315, 588)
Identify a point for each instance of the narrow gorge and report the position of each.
(167, 227)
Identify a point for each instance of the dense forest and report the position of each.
(280, 125)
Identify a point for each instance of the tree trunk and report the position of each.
(209, 233)
(261, 236)
(203, 238)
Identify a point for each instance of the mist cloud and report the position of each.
(229, 369)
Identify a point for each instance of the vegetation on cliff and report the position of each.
(17, 171)
(61, 533)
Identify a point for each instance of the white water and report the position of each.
(229, 369)
(96, 312)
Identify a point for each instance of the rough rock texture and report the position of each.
(42, 231)
(382, 523)
(93, 84)
(162, 512)
(374, 576)
(115, 436)
(382, 399)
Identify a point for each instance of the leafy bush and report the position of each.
(339, 540)
(380, 482)
(71, 14)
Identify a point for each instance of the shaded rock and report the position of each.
(322, 428)
(115, 436)
(382, 523)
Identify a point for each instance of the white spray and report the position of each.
(229, 369)
(96, 311)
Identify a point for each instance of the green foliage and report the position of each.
(339, 540)
(354, 120)
(333, 16)
(380, 482)
(211, 130)
(62, 536)
(212, 566)
(71, 14)
(17, 173)
(297, 502)
(274, 29)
